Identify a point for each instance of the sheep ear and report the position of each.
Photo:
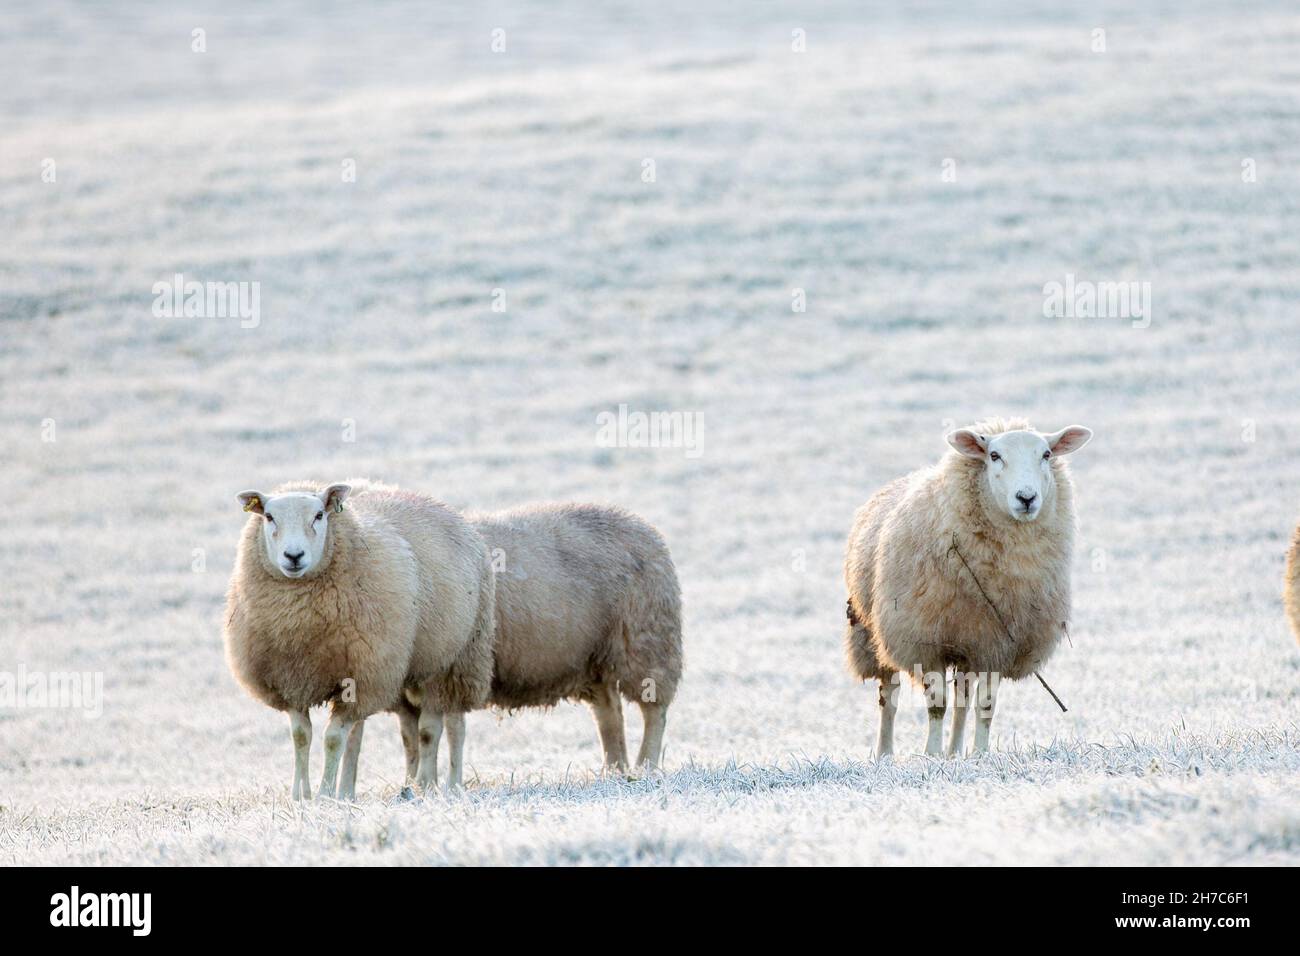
(252, 501)
(334, 495)
(969, 443)
(1068, 439)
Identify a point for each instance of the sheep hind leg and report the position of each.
(300, 731)
(430, 735)
(888, 708)
(607, 708)
(408, 720)
(336, 734)
(936, 694)
(455, 749)
(351, 755)
(654, 716)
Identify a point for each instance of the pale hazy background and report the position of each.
(774, 171)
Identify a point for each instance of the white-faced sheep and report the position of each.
(933, 554)
(1291, 588)
(353, 606)
(587, 608)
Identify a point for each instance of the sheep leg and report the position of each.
(409, 720)
(963, 702)
(936, 693)
(888, 708)
(985, 697)
(351, 754)
(455, 749)
(430, 735)
(336, 734)
(654, 717)
(607, 707)
(300, 731)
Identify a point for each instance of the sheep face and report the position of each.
(1018, 465)
(295, 526)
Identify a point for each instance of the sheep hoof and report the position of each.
(406, 794)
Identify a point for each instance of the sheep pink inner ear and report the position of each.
(969, 443)
(252, 501)
(334, 495)
(1068, 439)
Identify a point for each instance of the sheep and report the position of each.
(995, 518)
(358, 606)
(588, 608)
(1291, 597)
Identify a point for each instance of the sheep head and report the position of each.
(1018, 472)
(295, 526)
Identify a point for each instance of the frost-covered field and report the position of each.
(522, 171)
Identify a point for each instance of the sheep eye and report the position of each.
(270, 520)
(1047, 454)
(319, 515)
(994, 456)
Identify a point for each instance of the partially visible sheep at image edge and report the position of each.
(933, 554)
(588, 608)
(1291, 587)
(351, 595)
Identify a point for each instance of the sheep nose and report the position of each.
(295, 557)
(1026, 498)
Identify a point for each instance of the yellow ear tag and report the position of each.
(252, 503)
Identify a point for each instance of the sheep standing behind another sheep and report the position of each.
(1002, 500)
(353, 605)
(587, 608)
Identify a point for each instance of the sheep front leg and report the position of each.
(430, 735)
(300, 731)
(351, 754)
(985, 697)
(888, 708)
(336, 735)
(936, 695)
(455, 748)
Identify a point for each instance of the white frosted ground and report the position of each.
(774, 171)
